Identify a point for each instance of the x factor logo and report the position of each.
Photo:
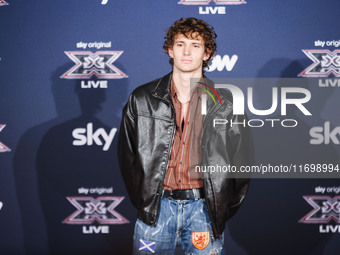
(3, 148)
(219, 2)
(325, 63)
(3, 2)
(325, 209)
(99, 209)
(88, 64)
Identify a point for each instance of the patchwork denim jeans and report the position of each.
(180, 222)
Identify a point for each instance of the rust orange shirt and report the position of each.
(185, 151)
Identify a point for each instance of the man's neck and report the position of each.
(182, 83)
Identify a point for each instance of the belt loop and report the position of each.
(196, 194)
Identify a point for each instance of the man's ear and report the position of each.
(206, 55)
(171, 52)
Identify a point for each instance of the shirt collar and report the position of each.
(174, 91)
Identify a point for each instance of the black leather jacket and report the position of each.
(145, 140)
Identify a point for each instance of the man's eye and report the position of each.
(179, 44)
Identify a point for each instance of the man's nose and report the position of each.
(187, 50)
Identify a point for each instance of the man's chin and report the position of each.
(188, 69)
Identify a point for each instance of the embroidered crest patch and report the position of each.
(200, 239)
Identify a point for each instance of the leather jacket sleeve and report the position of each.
(127, 150)
(242, 155)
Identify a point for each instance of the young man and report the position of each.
(157, 150)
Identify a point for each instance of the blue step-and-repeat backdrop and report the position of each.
(66, 70)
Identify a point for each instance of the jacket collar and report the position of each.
(162, 89)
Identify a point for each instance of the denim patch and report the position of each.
(200, 239)
(147, 246)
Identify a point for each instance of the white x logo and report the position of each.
(3, 148)
(146, 246)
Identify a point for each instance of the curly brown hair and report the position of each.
(192, 28)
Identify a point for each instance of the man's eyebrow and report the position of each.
(194, 42)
